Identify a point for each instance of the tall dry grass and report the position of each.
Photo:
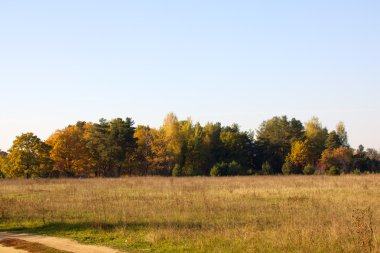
(237, 214)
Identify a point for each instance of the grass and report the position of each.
(30, 247)
(201, 214)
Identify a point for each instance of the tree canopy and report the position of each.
(116, 147)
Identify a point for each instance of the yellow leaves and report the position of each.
(69, 151)
(299, 153)
(313, 128)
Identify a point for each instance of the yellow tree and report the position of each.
(170, 131)
(69, 151)
(2, 161)
(28, 157)
(316, 137)
(342, 134)
(161, 160)
(143, 154)
(298, 155)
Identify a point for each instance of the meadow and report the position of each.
(201, 214)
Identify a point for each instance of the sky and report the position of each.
(227, 61)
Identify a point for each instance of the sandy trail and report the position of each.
(11, 250)
(54, 242)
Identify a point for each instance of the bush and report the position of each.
(177, 171)
(286, 168)
(234, 168)
(356, 172)
(333, 171)
(309, 170)
(266, 168)
(190, 170)
(216, 170)
(226, 169)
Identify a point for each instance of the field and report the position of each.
(201, 214)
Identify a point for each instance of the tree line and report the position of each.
(113, 148)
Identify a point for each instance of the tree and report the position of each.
(172, 138)
(213, 146)
(28, 157)
(237, 146)
(2, 161)
(121, 134)
(372, 154)
(316, 137)
(298, 156)
(112, 145)
(333, 141)
(193, 153)
(342, 133)
(340, 158)
(69, 152)
(274, 139)
(366, 160)
(360, 159)
(162, 160)
(144, 154)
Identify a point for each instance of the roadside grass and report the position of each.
(201, 214)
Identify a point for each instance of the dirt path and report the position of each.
(11, 250)
(54, 242)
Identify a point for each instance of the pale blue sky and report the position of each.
(227, 61)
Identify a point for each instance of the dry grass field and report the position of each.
(201, 214)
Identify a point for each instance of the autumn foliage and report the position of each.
(113, 148)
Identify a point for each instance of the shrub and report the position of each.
(333, 171)
(266, 168)
(356, 171)
(286, 168)
(234, 168)
(309, 170)
(226, 169)
(218, 169)
(177, 171)
(189, 170)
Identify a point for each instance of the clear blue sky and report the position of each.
(227, 61)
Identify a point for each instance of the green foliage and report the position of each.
(333, 141)
(177, 171)
(309, 170)
(366, 160)
(342, 134)
(226, 169)
(316, 137)
(266, 169)
(356, 172)
(286, 168)
(183, 148)
(112, 145)
(274, 139)
(333, 171)
(216, 170)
